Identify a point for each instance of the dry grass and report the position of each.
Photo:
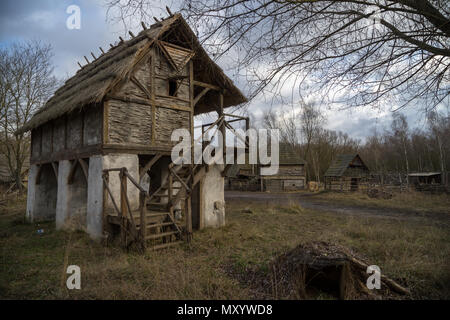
(217, 262)
(415, 201)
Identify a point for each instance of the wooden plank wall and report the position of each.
(295, 170)
(68, 136)
(344, 184)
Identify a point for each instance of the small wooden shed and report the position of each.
(291, 173)
(347, 172)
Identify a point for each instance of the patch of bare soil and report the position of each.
(317, 270)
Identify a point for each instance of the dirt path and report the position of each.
(311, 201)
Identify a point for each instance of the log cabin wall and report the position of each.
(294, 170)
(288, 178)
(68, 137)
(144, 111)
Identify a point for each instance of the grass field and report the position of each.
(219, 263)
(414, 201)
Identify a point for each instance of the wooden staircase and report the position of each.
(153, 224)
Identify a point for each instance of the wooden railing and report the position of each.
(125, 212)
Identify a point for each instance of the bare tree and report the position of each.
(438, 125)
(26, 83)
(311, 122)
(360, 52)
(400, 132)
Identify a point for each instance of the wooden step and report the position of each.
(160, 235)
(114, 219)
(157, 214)
(162, 195)
(165, 245)
(156, 206)
(157, 225)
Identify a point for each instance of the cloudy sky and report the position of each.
(21, 20)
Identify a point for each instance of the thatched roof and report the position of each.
(288, 156)
(93, 81)
(341, 163)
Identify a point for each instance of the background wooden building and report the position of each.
(347, 172)
(291, 173)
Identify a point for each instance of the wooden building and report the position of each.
(101, 146)
(242, 177)
(434, 182)
(291, 173)
(347, 172)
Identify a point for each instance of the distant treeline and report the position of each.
(396, 149)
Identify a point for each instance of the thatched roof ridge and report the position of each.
(93, 81)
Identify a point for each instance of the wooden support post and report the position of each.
(170, 188)
(142, 211)
(203, 139)
(188, 213)
(223, 129)
(247, 139)
(105, 226)
(123, 205)
(192, 106)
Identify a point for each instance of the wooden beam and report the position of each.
(200, 95)
(178, 82)
(167, 55)
(152, 98)
(149, 165)
(55, 169)
(85, 168)
(38, 174)
(180, 180)
(171, 97)
(141, 86)
(72, 171)
(235, 116)
(207, 85)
